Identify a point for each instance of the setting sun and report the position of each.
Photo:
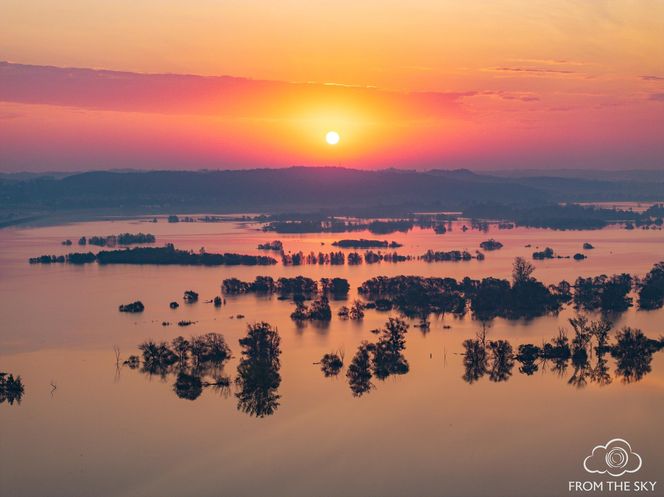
(332, 137)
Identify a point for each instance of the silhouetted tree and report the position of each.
(359, 371)
(388, 357)
(651, 289)
(258, 375)
(331, 364)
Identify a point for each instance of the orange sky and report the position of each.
(481, 84)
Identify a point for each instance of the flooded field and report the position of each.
(90, 424)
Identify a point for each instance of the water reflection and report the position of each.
(586, 353)
(633, 354)
(196, 363)
(381, 359)
(502, 360)
(475, 358)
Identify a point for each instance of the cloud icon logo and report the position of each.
(615, 458)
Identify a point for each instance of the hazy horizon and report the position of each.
(498, 171)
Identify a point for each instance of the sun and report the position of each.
(332, 137)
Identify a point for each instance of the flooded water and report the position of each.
(86, 427)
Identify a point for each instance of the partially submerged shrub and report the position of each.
(331, 364)
(133, 307)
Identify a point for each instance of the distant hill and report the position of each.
(638, 175)
(305, 189)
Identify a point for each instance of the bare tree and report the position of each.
(521, 270)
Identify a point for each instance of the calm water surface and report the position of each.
(109, 432)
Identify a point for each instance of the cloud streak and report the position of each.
(223, 96)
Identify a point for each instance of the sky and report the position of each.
(483, 84)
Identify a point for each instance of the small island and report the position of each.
(167, 255)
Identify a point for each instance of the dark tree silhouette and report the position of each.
(651, 289)
(258, 375)
(388, 357)
(359, 371)
(331, 364)
(522, 270)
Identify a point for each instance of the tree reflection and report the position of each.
(633, 354)
(475, 360)
(582, 370)
(188, 386)
(601, 374)
(11, 389)
(528, 356)
(586, 353)
(502, 360)
(196, 363)
(258, 375)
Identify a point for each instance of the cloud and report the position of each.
(615, 458)
(9, 115)
(658, 97)
(523, 97)
(534, 70)
(650, 77)
(221, 96)
(553, 62)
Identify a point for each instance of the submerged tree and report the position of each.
(521, 270)
(356, 311)
(258, 375)
(528, 356)
(331, 364)
(319, 310)
(359, 371)
(651, 288)
(388, 357)
(196, 363)
(158, 358)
